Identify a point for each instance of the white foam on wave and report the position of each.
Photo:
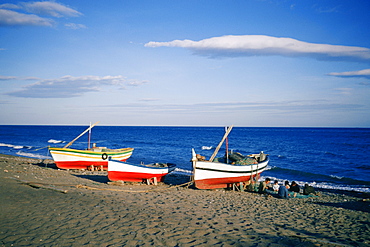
(321, 185)
(182, 171)
(32, 155)
(55, 141)
(268, 167)
(207, 147)
(339, 187)
(13, 146)
(6, 145)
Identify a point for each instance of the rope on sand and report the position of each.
(80, 186)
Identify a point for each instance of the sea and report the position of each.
(328, 158)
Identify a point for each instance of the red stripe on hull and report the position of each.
(82, 164)
(133, 176)
(219, 183)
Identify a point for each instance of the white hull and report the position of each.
(211, 175)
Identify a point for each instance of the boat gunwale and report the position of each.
(226, 165)
(70, 150)
(170, 165)
(228, 171)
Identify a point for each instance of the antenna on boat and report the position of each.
(227, 148)
(220, 144)
(71, 142)
(89, 138)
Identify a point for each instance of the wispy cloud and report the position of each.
(149, 99)
(320, 9)
(365, 83)
(69, 86)
(12, 18)
(74, 26)
(344, 91)
(360, 73)
(261, 45)
(34, 13)
(49, 8)
(7, 78)
(225, 108)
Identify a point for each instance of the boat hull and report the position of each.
(213, 175)
(122, 171)
(66, 158)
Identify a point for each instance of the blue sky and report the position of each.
(194, 63)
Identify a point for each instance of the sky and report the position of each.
(250, 63)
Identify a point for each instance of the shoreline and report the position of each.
(81, 208)
(318, 188)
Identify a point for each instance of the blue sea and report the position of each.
(330, 158)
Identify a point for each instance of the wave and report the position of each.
(269, 168)
(182, 171)
(6, 145)
(324, 185)
(310, 176)
(363, 167)
(337, 177)
(32, 155)
(55, 141)
(207, 147)
(14, 146)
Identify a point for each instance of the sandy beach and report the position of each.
(44, 206)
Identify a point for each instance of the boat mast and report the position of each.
(71, 142)
(220, 144)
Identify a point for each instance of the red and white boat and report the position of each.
(123, 171)
(225, 171)
(91, 158)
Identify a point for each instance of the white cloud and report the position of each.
(360, 73)
(227, 107)
(12, 18)
(344, 91)
(261, 45)
(149, 99)
(6, 78)
(70, 86)
(9, 6)
(74, 26)
(29, 13)
(49, 8)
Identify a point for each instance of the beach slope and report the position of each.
(43, 206)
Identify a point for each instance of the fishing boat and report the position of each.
(91, 158)
(233, 168)
(67, 158)
(123, 171)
